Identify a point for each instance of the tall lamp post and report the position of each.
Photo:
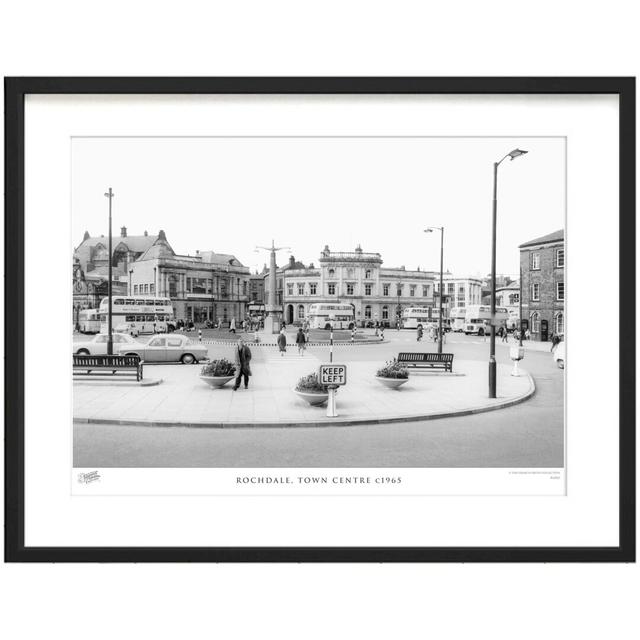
(109, 195)
(492, 349)
(431, 230)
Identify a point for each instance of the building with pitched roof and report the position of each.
(543, 290)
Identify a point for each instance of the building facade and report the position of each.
(376, 293)
(543, 290)
(509, 297)
(459, 291)
(207, 287)
(90, 271)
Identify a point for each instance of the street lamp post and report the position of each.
(109, 195)
(492, 348)
(431, 230)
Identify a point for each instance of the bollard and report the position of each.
(331, 404)
(199, 335)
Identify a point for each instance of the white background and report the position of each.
(307, 601)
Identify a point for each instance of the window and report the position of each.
(300, 311)
(385, 289)
(101, 339)
(312, 288)
(412, 290)
(461, 291)
(349, 289)
(425, 290)
(535, 322)
(367, 274)
(451, 288)
(130, 318)
(152, 289)
(535, 261)
(135, 289)
(367, 289)
(300, 288)
(289, 289)
(350, 272)
(559, 290)
(332, 273)
(332, 289)
(385, 312)
(560, 258)
(558, 322)
(399, 290)
(535, 292)
(174, 342)
(367, 312)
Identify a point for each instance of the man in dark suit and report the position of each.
(243, 364)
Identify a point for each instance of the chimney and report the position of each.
(146, 233)
(162, 236)
(123, 232)
(292, 261)
(86, 236)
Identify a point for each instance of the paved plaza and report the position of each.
(182, 399)
(529, 433)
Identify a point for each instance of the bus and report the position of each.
(327, 316)
(478, 319)
(136, 315)
(418, 317)
(457, 318)
(88, 321)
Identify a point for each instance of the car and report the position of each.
(97, 346)
(559, 354)
(165, 347)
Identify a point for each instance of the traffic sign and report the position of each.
(333, 374)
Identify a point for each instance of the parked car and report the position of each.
(559, 354)
(97, 346)
(167, 348)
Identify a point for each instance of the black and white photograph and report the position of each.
(328, 302)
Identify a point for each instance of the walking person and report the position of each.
(419, 334)
(243, 364)
(282, 341)
(232, 325)
(301, 341)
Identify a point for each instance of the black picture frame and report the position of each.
(15, 91)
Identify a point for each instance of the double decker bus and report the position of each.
(418, 317)
(136, 315)
(331, 315)
(88, 321)
(478, 319)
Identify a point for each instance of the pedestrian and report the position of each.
(377, 328)
(232, 325)
(282, 341)
(243, 364)
(283, 326)
(306, 328)
(527, 334)
(301, 341)
(419, 336)
(505, 334)
(555, 341)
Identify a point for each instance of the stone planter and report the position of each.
(216, 382)
(392, 383)
(516, 353)
(315, 399)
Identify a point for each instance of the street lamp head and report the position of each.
(517, 152)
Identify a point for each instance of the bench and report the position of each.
(84, 365)
(427, 360)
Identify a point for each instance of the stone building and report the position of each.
(205, 287)
(377, 293)
(459, 291)
(543, 293)
(90, 276)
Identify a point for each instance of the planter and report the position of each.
(392, 383)
(516, 353)
(216, 382)
(314, 398)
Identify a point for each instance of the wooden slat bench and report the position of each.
(427, 360)
(84, 365)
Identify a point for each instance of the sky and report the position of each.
(232, 194)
